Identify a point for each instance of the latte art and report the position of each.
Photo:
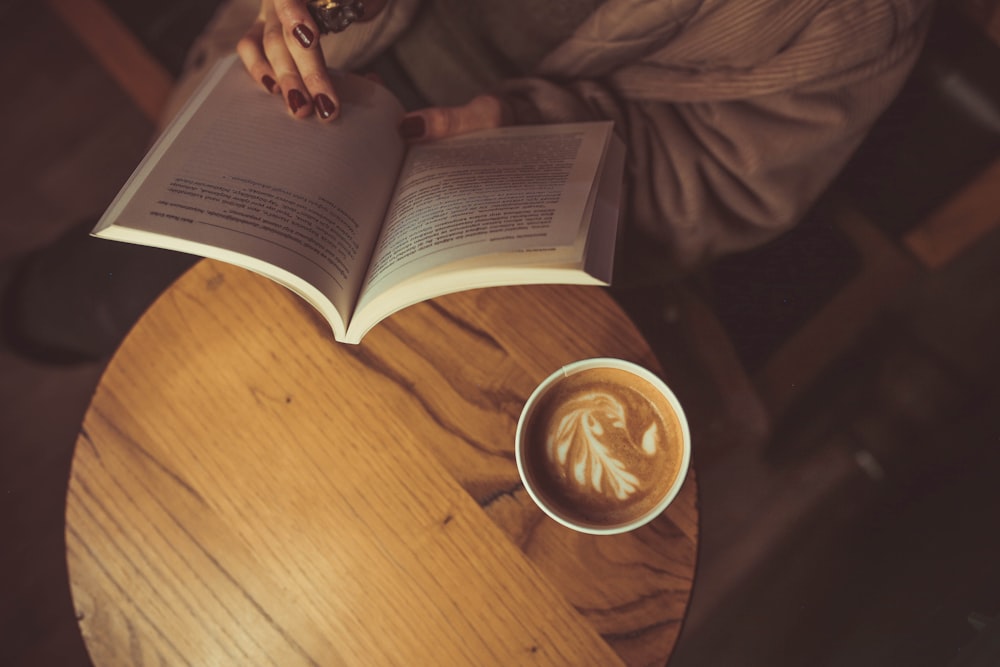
(602, 447)
(583, 444)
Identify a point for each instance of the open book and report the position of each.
(356, 222)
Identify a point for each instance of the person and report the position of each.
(736, 115)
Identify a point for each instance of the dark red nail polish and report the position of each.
(296, 100)
(304, 35)
(413, 127)
(324, 106)
(269, 83)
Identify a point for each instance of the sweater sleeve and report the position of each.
(716, 176)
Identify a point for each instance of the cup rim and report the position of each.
(645, 374)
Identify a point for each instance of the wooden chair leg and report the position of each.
(124, 57)
(800, 360)
(960, 222)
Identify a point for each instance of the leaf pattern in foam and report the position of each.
(578, 445)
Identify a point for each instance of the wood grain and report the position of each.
(247, 491)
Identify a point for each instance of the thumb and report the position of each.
(481, 113)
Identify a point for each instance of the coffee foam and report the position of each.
(606, 446)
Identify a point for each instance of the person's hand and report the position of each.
(481, 113)
(281, 51)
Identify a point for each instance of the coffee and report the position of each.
(602, 447)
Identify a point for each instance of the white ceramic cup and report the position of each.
(655, 384)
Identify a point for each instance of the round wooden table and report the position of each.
(246, 491)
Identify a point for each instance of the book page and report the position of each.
(236, 178)
(499, 191)
(585, 259)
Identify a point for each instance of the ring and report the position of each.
(335, 15)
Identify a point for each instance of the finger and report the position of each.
(315, 76)
(251, 52)
(285, 70)
(298, 22)
(483, 112)
(300, 33)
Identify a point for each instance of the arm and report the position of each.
(728, 148)
(705, 179)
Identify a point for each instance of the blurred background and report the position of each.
(861, 528)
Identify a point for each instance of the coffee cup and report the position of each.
(602, 446)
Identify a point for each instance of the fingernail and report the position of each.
(269, 83)
(412, 127)
(304, 35)
(296, 100)
(324, 106)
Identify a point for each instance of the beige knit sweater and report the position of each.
(738, 114)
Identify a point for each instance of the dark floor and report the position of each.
(865, 532)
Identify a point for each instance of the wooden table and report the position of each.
(247, 491)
